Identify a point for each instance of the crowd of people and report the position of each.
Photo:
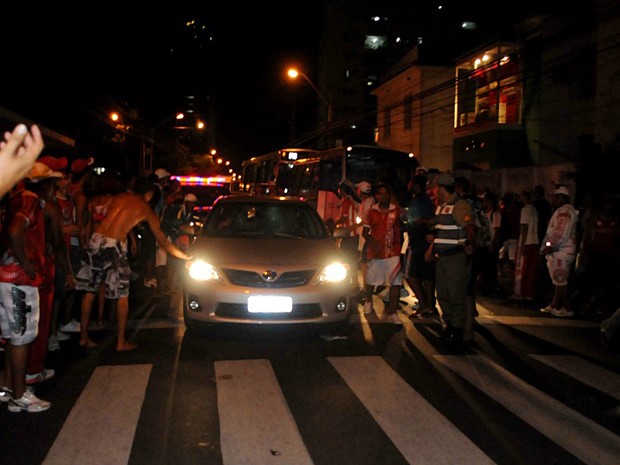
(451, 241)
(68, 238)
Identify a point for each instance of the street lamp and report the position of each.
(181, 123)
(188, 121)
(293, 73)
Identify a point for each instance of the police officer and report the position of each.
(452, 247)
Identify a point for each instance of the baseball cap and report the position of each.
(162, 173)
(364, 187)
(444, 179)
(54, 163)
(40, 171)
(78, 166)
(190, 198)
(563, 190)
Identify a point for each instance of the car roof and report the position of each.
(245, 198)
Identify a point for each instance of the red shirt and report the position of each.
(30, 206)
(348, 210)
(67, 208)
(385, 228)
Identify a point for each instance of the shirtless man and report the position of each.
(107, 255)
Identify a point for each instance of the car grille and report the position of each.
(253, 279)
(300, 311)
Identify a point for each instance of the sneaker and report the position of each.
(394, 318)
(368, 308)
(61, 336)
(52, 344)
(28, 403)
(547, 309)
(73, 326)
(427, 313)
(46, 374)
(562, 312)
(5, 394)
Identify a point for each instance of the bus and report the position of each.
(271, 167)
(317, 178)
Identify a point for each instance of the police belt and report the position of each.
(449, 252)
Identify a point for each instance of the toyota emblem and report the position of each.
(270, 275)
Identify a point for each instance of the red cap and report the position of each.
(79, 165)
(56, 164)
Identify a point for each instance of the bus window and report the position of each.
(272, 166)
(317, 178)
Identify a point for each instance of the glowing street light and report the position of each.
(181, 123)
(195, 123)
(294, 73)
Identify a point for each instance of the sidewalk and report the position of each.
(576, 334)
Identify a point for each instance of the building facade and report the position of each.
(539, 110)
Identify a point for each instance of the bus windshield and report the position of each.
(317, 178)
(266, 170)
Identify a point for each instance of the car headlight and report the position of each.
(333, 273)
(202, 271)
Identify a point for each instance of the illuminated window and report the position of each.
(375, 42)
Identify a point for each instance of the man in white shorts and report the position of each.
(382, 231)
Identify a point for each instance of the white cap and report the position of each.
(190, 198)
(562, 190)
(162, 173)
(364, 187)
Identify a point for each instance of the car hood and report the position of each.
(288, 252)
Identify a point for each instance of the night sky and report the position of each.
(64, 66)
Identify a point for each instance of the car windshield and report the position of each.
(264, 219)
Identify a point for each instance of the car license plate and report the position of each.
(270, 304)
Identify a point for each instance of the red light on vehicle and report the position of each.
(202, 181)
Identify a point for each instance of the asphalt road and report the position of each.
(531, 389)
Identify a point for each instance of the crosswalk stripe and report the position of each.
(586, 372)
(256, 425)
(579, 435)
(101, 426)
(415, 427)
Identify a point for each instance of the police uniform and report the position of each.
(453, 266)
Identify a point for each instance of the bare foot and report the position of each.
(126, 346)
(88, 343)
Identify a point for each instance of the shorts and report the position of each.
(384, 271)
(509, 249)
(559, 266)
(417, 266)
(107, 259)
(19, 313)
